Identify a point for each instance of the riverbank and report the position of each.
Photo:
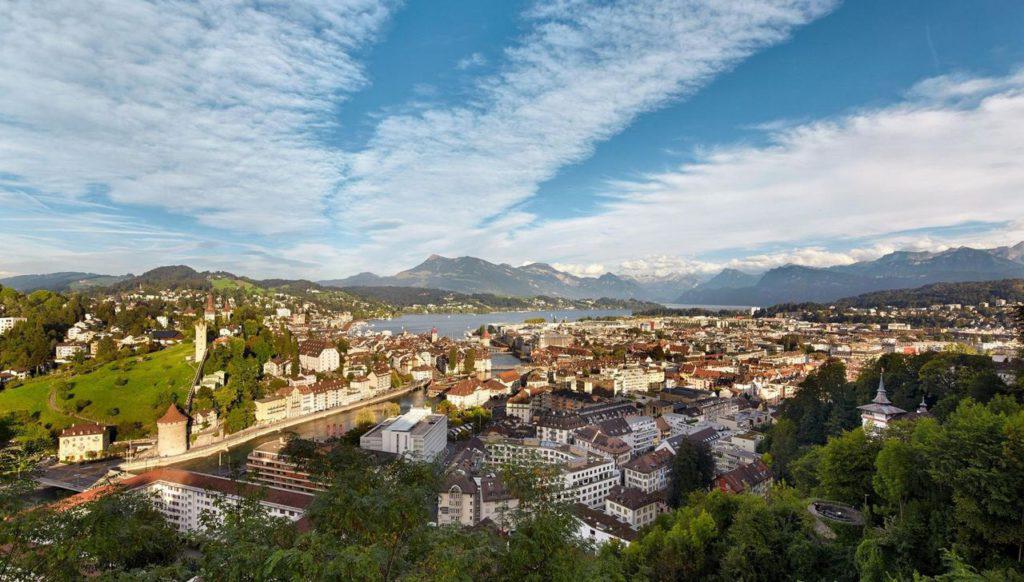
(244, 436)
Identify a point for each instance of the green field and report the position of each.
(222, 283)
(147, 376)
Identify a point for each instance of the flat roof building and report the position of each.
(419, 433)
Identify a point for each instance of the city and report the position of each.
(651, 290)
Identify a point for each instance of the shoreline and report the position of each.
(243, 436)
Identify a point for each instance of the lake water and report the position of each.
(455, 325)
(708, 307)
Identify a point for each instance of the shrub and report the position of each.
(114, 411)
(121, 381)
(81, 404)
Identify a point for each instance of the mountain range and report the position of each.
(789, 283)
(897, 270)
(471, 275)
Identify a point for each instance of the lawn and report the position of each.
(131, 385)
(226, 283)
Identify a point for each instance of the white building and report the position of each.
(183, 497)
(319, 356)
(876, 416)
(81, 442)
(8, 323)
(583, 477)
(419, 433)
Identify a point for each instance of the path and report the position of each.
(51, 401)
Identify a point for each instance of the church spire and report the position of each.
(880, 396)
(923, 407)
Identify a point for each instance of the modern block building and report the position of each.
(419, 433)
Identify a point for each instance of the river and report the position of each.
(455, 325)
(334, 425)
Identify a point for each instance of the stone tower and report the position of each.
(172, 433)
(200, 340)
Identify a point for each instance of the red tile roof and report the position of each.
(172, 416)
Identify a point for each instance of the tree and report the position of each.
(693, 469)
(783, 448)
(469, 364)
(847, 467)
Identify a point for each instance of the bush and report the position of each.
(114, 411)
(121, 381)
(81, 404)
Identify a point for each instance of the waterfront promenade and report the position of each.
(254, 432)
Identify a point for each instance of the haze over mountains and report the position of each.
(790, 283)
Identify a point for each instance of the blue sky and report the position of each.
(646, 137)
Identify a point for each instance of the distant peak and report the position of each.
(434, 257)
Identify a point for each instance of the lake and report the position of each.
(455, 325)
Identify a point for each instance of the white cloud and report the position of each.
(472, 61)
(917, 165)
(587, 270)
(583, 73)
(208, 109)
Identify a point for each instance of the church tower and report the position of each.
(200, 340)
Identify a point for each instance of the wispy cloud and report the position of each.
(949, 155)
(208, 109)
(583, 72)
(472, 61)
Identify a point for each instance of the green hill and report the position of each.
(139, 387)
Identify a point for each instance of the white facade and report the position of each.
(419, 433)
(8, 323)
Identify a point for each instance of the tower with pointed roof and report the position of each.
(172, 432)
(433, 335)
(210, 313)
(877, 414)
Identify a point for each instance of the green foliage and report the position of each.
(693, 469)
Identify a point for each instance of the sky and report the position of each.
(646, 137)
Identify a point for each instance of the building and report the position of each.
(558, 428)
(754, 478)
(281, 366)
(600, 528)
(634, 507)
(80, 442)
(8, 323)
(469, 393)
(418, 433)
(649, 473)
(466, 500)
(65, 352)
(268, 464)
(172, 433)
(183, 497)
(582, 477)
(271, 409)
(876, 416)
(319, 356)
(590, 438)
